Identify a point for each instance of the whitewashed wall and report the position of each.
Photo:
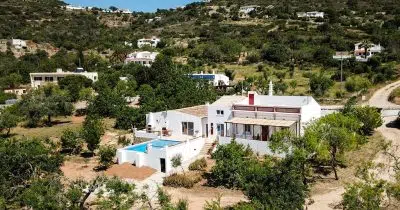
(173, 121)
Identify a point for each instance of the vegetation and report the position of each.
(92, 131)
(181, 180)
(198, 165)
(71, 142)
(106, 156)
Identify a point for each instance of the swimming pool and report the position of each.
(157, 143)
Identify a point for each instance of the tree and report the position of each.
(106, 156)
(8, 121)
(369, 117)
(176, 161)
(278, 53)
(319, 84)
(70, 142)
(117, 194)
(92, 131)
(74, 84)
(335, 134)
(276, 184)
(232, 161)
(22, 160)
(47, 101)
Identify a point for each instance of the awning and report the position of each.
(264, 122)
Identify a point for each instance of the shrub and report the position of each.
(106, 155)
(369, 117)
(394, 94)
(231, 163)
(357, 83)
(70, 142)
(198, 165)
(181, 180)
(122, 140)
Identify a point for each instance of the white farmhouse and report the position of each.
(153, 42)
(144, 58)
(40, 79)
(18, 43)
(313, 14)
(359, 51)
(71, 7)
(245, 10)
(250, 120)
(253, 119)
(214, 79)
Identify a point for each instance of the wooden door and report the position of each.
(264, 133)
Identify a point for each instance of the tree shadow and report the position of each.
(393, 124)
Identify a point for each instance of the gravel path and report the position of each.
(381, 96)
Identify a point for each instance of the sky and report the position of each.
(133, 5)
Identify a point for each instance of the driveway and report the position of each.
(381, 97)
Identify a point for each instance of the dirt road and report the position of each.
(381, 96)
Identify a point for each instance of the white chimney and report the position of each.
(59, 70)
(271, 89)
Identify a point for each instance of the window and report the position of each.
(247, 128)
(220, 112)
(37, 78)
(48, 79)
(188, 128)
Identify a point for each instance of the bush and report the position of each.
(70, 142)
(122, 140)
(369, 117)
(106, 156)
(357, 83)
(181, 180)
(394, 94)
(231, 163)
(198, 165)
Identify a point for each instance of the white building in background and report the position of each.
(71, 7)
(40, 79)
(153, 42)
(313, 14)
(244, 11)
(144, 58)
(250, 120)
(214, 79)
(17, 91)
(359, 51)
(18, 43)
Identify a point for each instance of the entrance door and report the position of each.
(264, 133)
(207, 130)
(162, 163)
(220, 130)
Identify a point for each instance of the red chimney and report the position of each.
(251, 99)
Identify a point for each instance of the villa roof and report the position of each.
(265, 122)
(229, 100)
(199, 111)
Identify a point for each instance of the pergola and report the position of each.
(257, 122)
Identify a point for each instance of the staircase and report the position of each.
(204, 151)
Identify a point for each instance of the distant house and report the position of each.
(17, 91)
(18, 43)
(153, 42)
(71, 8)
(128, 44)
(359, 51)
(144, 58)
(40, 79)
(214, 79)
(313, 14)
(245, 10)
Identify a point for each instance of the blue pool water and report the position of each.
(158, 143)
